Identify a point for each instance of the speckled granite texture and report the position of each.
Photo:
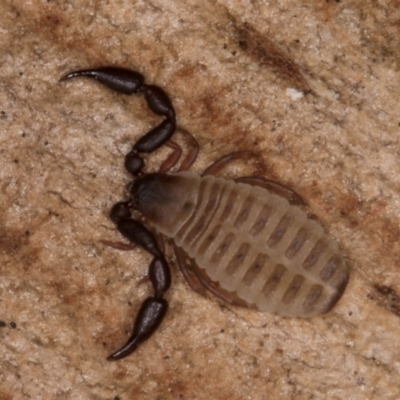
(312, 87)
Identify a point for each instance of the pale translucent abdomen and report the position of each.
(259, 247)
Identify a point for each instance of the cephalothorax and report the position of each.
(243, 240)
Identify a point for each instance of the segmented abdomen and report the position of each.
(266, 251)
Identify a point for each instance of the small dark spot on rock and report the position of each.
(104, 344)
(117, 398)
(13, 325)
(243, 44)
(16, 161)
(2, 324)
(388, 298)
(27, 233)
(385, 290)
(3, 115)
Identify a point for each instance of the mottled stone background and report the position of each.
(311, 87)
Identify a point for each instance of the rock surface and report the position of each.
(312, 88)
